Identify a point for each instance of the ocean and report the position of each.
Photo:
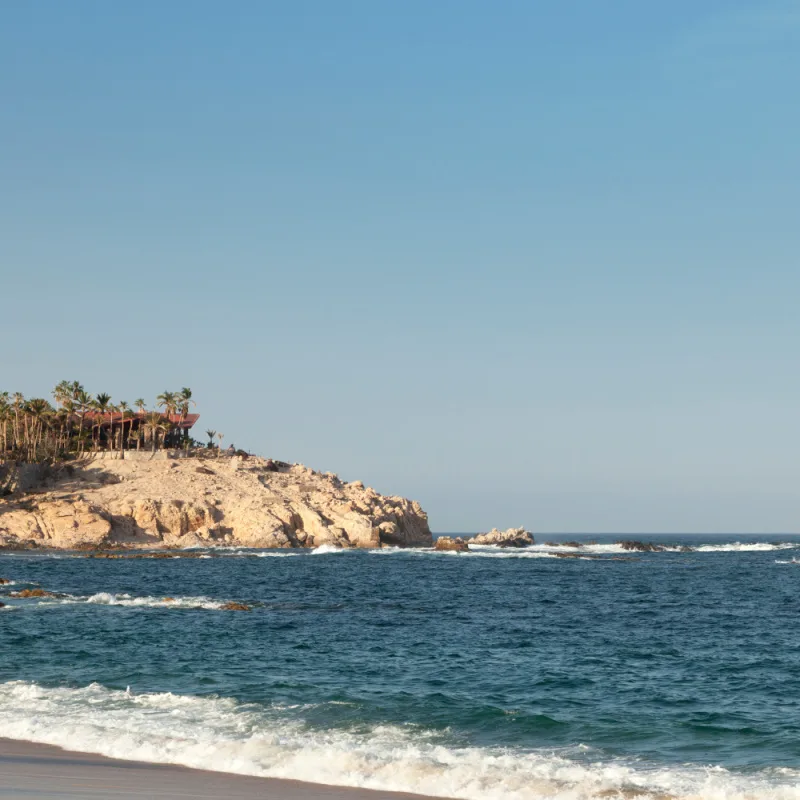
(495, 674)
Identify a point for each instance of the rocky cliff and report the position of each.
(248, 502)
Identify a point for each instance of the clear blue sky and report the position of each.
(529, 262)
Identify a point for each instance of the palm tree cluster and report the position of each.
(34, 430)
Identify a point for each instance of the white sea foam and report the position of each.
(219, 733)
(616, 548)
(109, 599)
(789, 561)
(327, 549)
(263, 554)
(745, 547)
(475, 551)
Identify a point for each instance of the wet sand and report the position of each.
(40, 772)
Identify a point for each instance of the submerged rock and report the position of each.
(234, 607)
(4, 581)
(513, 537)
(26, 593)
(449, 543)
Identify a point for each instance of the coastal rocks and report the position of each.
(513, 537)
(59, 523)
(201, 502)
(448, 543)
(234, 607)
(4, 581)
(26, 594)
(641, 547)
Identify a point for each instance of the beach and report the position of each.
(39, 772)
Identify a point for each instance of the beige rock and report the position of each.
(513, 537)
(183, 502)
(448, 543)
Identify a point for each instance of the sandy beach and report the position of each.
(37, 772)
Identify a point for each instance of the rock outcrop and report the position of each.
(513, 537)
(641, 547)
(191, 502)
(448, 543)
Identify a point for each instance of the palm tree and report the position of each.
(169, 402)
(17, 401)
(123, 408)
(211, 435)
(183, 399)
(220, 436)
(38, 412)
(102, 404)
(63, 392)
(6, 416)
(155, 423)
(83, 402)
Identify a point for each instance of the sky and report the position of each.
(530, 262)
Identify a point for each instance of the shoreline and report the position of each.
(45, 772)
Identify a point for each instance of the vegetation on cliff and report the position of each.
(34, 430)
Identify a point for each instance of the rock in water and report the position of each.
(641, 547)
(448, 543)
(513, 537)
(26, 593)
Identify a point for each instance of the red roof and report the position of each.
(97, 418)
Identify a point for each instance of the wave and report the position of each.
(615, 548)
(475, 551)
(745, 547)
(328, 549)
(789, 561)
(221, 734)
(110, 599)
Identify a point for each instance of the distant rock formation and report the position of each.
(513, 537)
(448, 543)
(195, 502)
(642, 547)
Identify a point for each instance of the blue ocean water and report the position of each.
(493, 674)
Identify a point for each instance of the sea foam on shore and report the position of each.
(224, 735)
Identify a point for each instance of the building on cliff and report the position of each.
(108, 428)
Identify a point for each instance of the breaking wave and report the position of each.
(328, 549)
(251, 739)
(109, 599)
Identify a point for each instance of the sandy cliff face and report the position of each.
(249, 502)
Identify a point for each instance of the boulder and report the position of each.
(513, 537)
(641, 547)
(450, 544)
(234, 607)
(26, 593)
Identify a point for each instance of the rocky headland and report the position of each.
(102, 503)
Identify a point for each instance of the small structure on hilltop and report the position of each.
(138, 427)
